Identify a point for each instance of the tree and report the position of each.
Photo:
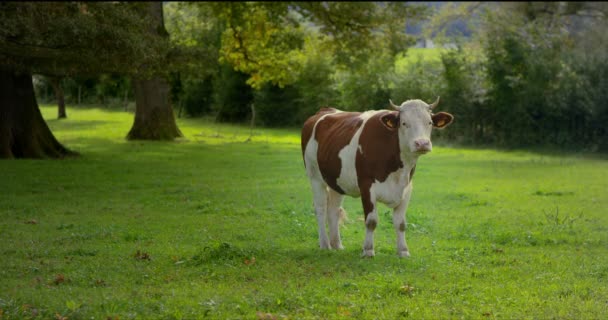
(154, 118)
(23, 132)
(265, 39)
(64, 39)
(269, 43)
(58, 89)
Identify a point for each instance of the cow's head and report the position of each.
(414, 121)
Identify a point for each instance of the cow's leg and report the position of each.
(371, 220)
(334, 201)
(320, 195)
(399, 222)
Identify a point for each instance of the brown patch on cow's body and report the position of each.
(333, 133)
(402, 226)
(309, 126)
(379, 155)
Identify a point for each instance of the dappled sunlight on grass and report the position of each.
(84, 125)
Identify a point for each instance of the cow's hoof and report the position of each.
(404, 254)
(324, 246)
(368, 253)
(338, 246)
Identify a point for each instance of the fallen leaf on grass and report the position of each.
(33, 221)
(407, 290)
(250, 262)
(60, 317)
(59, 279)
(142, 255)
(265, 316)
(342, 311)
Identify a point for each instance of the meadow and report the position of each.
(217, 225)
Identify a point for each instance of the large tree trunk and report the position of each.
(154, 119)
(56, 83)
(23, 131)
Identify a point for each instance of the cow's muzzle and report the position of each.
(422, 146)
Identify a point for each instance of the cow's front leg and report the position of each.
(400, 224)
(371, 221)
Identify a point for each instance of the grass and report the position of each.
(212, 226)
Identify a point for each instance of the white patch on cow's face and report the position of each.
(415, 127)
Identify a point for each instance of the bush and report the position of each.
(233, 97)
(421, 79)
(277, 106)
(197, 96)
(463, 96)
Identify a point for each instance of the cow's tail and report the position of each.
(342, 216)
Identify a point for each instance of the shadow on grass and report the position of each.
(61, 125)
(108, 108)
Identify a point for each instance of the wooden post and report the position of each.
(252, 126)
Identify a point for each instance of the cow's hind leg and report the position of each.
(399, 222)
(320, 197)
(334, 201)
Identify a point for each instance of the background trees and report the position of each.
(514, 74)
(534, 80)
(68, 39)
(57, 39)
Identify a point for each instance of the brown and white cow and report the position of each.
(371, 155)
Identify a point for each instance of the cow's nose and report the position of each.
(423, 144)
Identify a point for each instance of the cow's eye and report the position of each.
(430, 123)
(404, 124)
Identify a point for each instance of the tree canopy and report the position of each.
(266, 39)
(70, 38)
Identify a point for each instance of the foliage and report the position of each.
(65, 38)
(419, 79)
(277, 106)
(215, 227)
(316, 84)
(366, 87)
(233, 97)
(265, 40)
(106, 89)
(464, 95)
(197, 97)
(534, 92)
(195, 37)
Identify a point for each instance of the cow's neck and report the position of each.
(409, 160)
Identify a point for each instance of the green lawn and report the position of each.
(212, 226)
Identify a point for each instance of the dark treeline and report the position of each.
(523, 80)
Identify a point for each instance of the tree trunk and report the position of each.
(125, 101)
(154, 119)
(56, 83)
(23, 131)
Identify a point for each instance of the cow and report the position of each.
(371, 155)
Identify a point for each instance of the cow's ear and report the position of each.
(442, 119)
(390, 120)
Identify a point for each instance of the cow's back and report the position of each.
(309, 125)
